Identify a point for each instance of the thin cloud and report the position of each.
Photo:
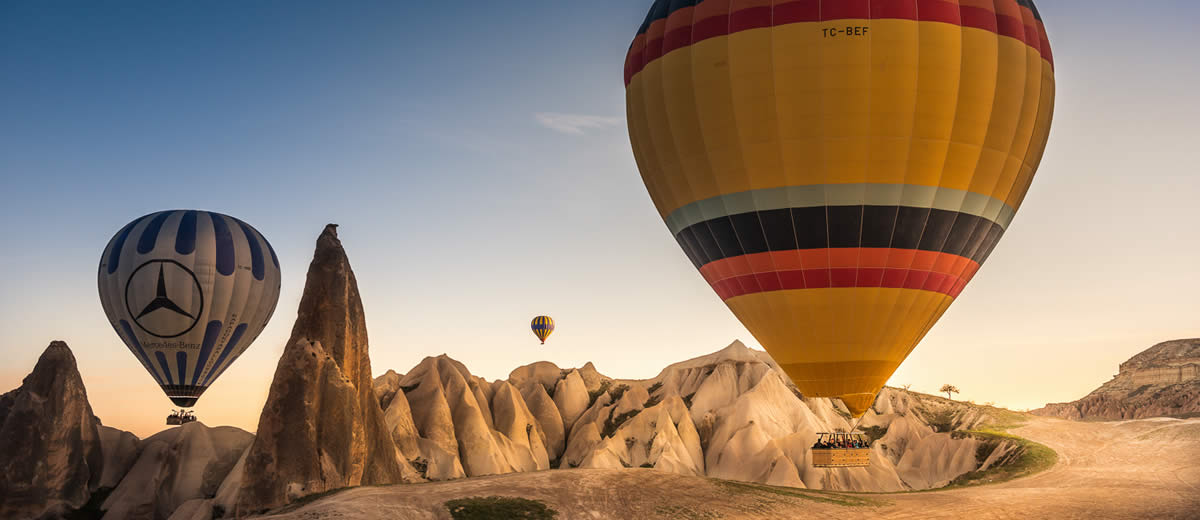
(575, 124)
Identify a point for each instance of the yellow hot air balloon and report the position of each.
(839, 169)
(542, 327)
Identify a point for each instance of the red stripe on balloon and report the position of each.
(713, 18)
(842, 267)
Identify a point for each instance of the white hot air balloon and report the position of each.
(188, 291)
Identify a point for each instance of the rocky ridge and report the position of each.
(730, 414)
(1163, 380)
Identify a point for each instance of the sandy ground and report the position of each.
(1132, 469)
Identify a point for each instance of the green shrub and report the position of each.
(1141, 389)
(874, 433)
(983, 451)
(618, 392)
(595, 394)
(495, 507)
(653, 400)
(654, 387)
(942, 421)
(612, 424)
(421, 465)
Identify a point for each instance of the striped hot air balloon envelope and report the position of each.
(542, 327)
(839, 169)
(188, 292)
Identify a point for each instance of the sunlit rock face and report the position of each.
(571, 398)
(549, 421)
(51, 457)
(467, 426)
(176, 466)
(322, 427)
(730, 414)
(1162, 380)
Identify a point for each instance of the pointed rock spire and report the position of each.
(322, 427)
(50, 451)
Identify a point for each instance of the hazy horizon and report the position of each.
(478, 165)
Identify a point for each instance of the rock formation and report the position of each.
(571, 398)
(543, 373)
(1162, 380)
(386, 387)
(460, 430)
(51, 458)
(121, 450)
(322, 427)
(326, 425)
(177, 466)
(730, 414)
(548, 419)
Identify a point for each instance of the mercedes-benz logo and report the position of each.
(160, 314)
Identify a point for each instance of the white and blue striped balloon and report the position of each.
(188, 291)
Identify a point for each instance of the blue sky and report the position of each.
(477, 161)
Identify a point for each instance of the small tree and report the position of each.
(949, 389)
(906, 387)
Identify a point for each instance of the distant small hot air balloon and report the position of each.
(542, 327)
(188, 291)
(838, 170)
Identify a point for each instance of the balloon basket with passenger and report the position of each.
(180, 417)
(841, 450)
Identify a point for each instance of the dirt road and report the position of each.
(1134, 469)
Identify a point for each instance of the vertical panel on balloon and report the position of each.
(976, 96)
(1037, 147)
(643, 154)
(1006, 115)
(680, 101)
(752, 85)
(715, 113)
(247, 290)
(795, 54)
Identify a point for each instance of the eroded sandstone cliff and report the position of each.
(1163, 380)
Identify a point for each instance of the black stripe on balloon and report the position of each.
(206, 345)
(150, 234)
(185, 238)
(224, 238)
(898, 227)
(183, 390)
(114, 255)
(181, 361)
(256, 256)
